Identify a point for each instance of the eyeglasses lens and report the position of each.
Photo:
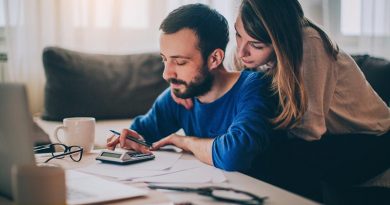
(76, 153)
(58, 149)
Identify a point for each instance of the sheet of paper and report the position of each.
(162, 164)
(84, 188)
(128, 173)
(163, 160)
(201, 174)
(181, 171)
(179, 166)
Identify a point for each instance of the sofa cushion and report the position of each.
(101, 86)
(377, 73)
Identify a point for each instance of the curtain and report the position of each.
(359, 26)
(375, 28)
(96, 26)
(23, 49)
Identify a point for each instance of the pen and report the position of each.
(141, 142)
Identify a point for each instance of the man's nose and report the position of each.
(169, 71)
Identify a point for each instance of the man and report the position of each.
(229, 125)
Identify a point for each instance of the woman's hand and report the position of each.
(187, 103)
(125, 143)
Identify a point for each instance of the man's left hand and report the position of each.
(173, 139)
(201, 148)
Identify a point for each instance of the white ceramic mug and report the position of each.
(78, 131)
(38, 185)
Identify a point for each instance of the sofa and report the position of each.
(377, 72)
(116, 88)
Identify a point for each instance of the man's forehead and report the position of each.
(182, 44)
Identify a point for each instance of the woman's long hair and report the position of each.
(281, 23)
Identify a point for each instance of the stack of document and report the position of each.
(167, 167)
(84, 188)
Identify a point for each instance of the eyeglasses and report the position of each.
(220, 194)
(59, 151)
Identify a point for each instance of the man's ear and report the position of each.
(215, 58)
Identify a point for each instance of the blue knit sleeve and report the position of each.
(250, 132)
(160, 121)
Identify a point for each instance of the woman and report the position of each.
(338, 127)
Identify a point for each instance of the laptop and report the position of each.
(16, 148)
(15, 129)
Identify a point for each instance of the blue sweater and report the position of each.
(238, 121)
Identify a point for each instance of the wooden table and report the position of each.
(234, 179)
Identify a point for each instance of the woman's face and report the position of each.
(251, 52)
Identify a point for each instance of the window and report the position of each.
(365, 18)
(3, 55)
(359, 26)
(350, 17)
(2, 27)
(132, 14)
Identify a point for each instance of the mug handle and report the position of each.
(56, 133)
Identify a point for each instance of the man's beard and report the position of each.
(201, 84)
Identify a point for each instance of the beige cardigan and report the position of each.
(340, 100)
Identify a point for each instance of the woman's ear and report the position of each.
(215, 58)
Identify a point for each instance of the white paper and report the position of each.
(160, 165)
(91, 189)
(179, 166)
(163, 160)
(177, 170)
(201, 174)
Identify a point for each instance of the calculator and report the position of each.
(128, 157)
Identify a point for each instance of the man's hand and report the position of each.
(173, 139)
(125, 143)
(201, 148)
(187, 103)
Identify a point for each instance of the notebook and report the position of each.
(16, 148)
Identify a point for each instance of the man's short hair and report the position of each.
(210, 26)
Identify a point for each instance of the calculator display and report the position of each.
(109, 154)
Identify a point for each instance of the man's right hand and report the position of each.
(125, 143)
(187, 103)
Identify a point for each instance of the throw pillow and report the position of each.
(100, 86)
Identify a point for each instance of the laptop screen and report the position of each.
(16, 146)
